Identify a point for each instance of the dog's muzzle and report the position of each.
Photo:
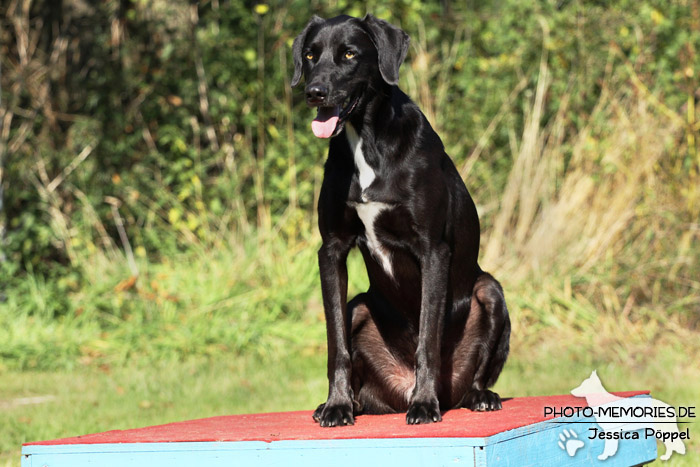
(329, 119)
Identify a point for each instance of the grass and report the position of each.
(204, 334)
(92, 399)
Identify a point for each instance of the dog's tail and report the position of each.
(676, 445)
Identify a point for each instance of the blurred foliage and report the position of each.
(136, 130)
(158, 182)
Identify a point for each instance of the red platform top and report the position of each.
(268, 427)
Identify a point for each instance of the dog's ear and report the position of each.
(297, 46)
(392, 46)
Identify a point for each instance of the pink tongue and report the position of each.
(325, 122)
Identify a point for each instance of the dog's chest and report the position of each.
(368, 210)
(366, 173)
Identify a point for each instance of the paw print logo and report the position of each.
(569, 442)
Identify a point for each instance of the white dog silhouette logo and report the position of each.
(598, 398)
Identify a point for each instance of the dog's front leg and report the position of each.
(424, 406)
(338, 409)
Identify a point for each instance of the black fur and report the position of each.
(432, 332)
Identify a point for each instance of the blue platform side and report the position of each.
(339, 453)
(541, 448)
(538, 447)
(535, 445)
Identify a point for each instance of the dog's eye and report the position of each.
(309, 56)
(349, 54)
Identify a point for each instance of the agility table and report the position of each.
(518, 435)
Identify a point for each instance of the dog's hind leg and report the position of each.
(676, 445)
(481, 349)
(382, 369)
(609, 449)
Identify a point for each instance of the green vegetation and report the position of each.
(158, 181)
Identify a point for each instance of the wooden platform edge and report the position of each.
(533, 445)
(537, 450)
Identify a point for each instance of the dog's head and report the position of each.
(590, 385)
(341, 58)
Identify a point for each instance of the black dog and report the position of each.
(432, 332)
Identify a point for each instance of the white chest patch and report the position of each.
(368, 211)
(366, 173)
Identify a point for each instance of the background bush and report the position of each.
(156, 167)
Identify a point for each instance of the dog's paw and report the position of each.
(317, 413)
(482, 401)
(423, 412)
(334, 415)
(569, 442)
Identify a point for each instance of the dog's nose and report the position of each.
(316, 93)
